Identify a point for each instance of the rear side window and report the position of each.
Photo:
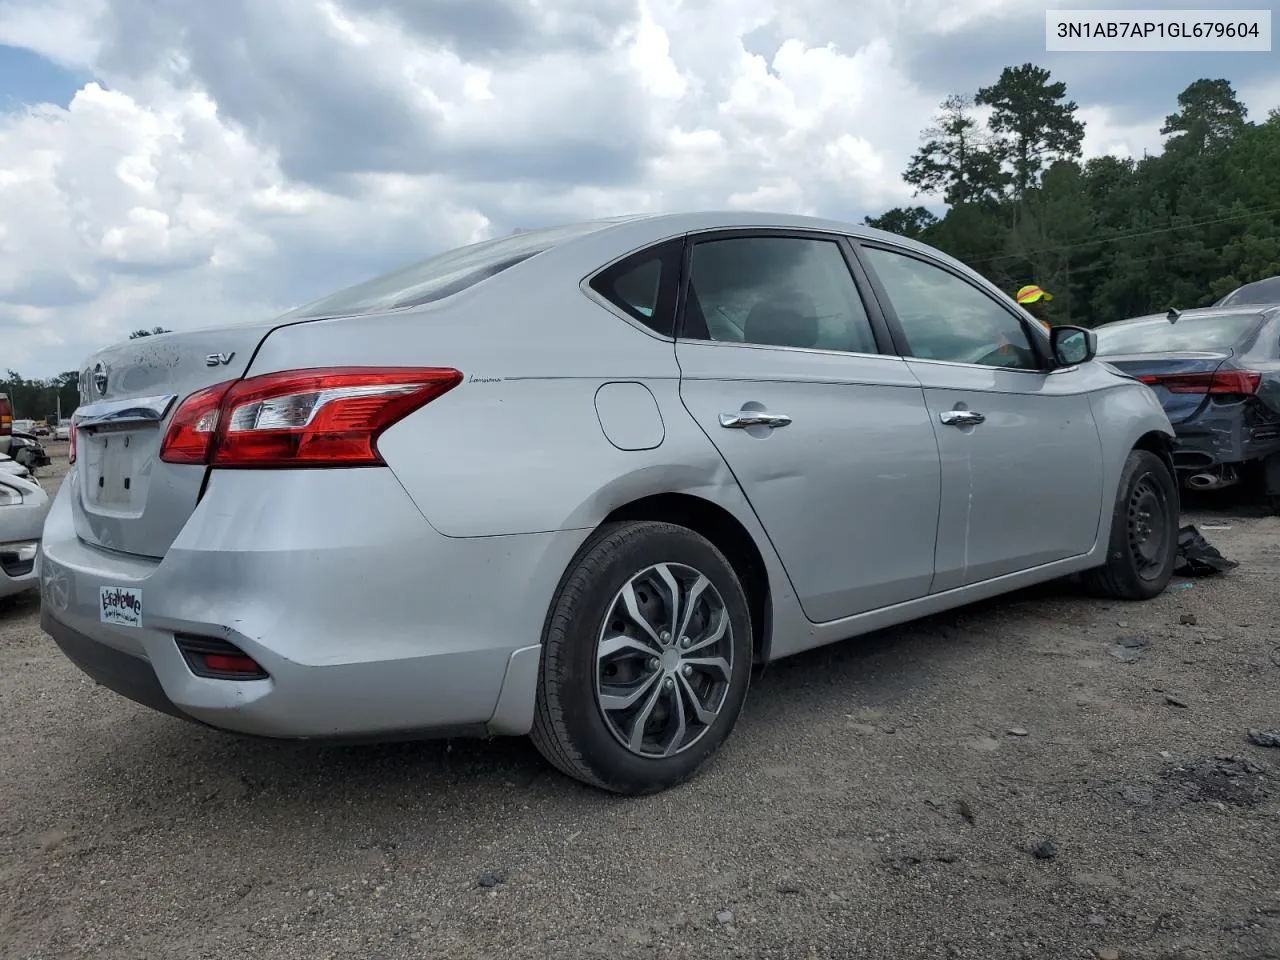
(775, 291)
(443, 275)
(1158, 335)
(643, 286)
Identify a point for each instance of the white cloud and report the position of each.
(61, 30)
(235, 158)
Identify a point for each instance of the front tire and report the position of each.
(1143, 543)
(646, 659)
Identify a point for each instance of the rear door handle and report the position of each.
(961, 418)
(753, 418)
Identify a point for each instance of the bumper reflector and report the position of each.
(217, 659)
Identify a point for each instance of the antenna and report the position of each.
(1173, 315)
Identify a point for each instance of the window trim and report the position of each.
(668, 290)
(1038, 340)
(879, 328)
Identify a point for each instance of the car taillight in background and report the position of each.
(6, 417)
(1234, 382)
(329, 417)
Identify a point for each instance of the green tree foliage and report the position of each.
(38, 399)
(1110, 237)
(956, 160)
(904, 221)
(1209, 115)
(1033, 122)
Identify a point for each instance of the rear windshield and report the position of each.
(1260, 292)
(444, 274)
(1158, 335)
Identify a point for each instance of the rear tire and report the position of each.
(626, 703)
(1143, 544)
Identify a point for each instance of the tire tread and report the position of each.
(1110, 580)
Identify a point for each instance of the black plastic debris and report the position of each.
(1197, 557)
(1128, 649)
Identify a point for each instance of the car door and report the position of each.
(1021, 455)
(829, 438)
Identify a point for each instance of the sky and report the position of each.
(186, 163)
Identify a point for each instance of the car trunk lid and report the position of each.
(1180, 379)
(124, 497)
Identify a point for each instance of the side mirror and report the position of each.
(1073, 345)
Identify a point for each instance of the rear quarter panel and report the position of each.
(518, 447)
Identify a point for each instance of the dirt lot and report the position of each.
(884, 798)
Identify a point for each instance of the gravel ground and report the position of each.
(998, 782)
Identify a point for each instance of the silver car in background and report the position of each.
(574, 482)
(23, 507)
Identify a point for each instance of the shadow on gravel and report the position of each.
(158, 761)
(23, 605)
(1239, 502)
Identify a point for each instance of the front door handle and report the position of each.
(961, 418)
(753, 418)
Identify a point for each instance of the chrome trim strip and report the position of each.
(132, 410)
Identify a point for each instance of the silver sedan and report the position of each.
(575, 482)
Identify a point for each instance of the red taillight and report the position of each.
(6, 417)
(300, 418)
(1225, 381)
(71, 441)
(194, 426)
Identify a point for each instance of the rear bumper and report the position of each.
(1226, 437)
(369, 624)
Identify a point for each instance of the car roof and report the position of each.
(639, 230)
(668, 223)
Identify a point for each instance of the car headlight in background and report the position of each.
(19, 559)
(24, 551)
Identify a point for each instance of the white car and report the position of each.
(63, 431)
(23, 506)
(8, 465)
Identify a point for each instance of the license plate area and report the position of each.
(117, 468)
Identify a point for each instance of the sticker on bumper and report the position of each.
(121, 606)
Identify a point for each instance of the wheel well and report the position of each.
(1160, 444)
(729, 536)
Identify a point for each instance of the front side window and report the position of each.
(776, 291)
(947, 318)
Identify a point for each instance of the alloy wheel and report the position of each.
(664, 659)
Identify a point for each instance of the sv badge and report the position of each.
(219, 359)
